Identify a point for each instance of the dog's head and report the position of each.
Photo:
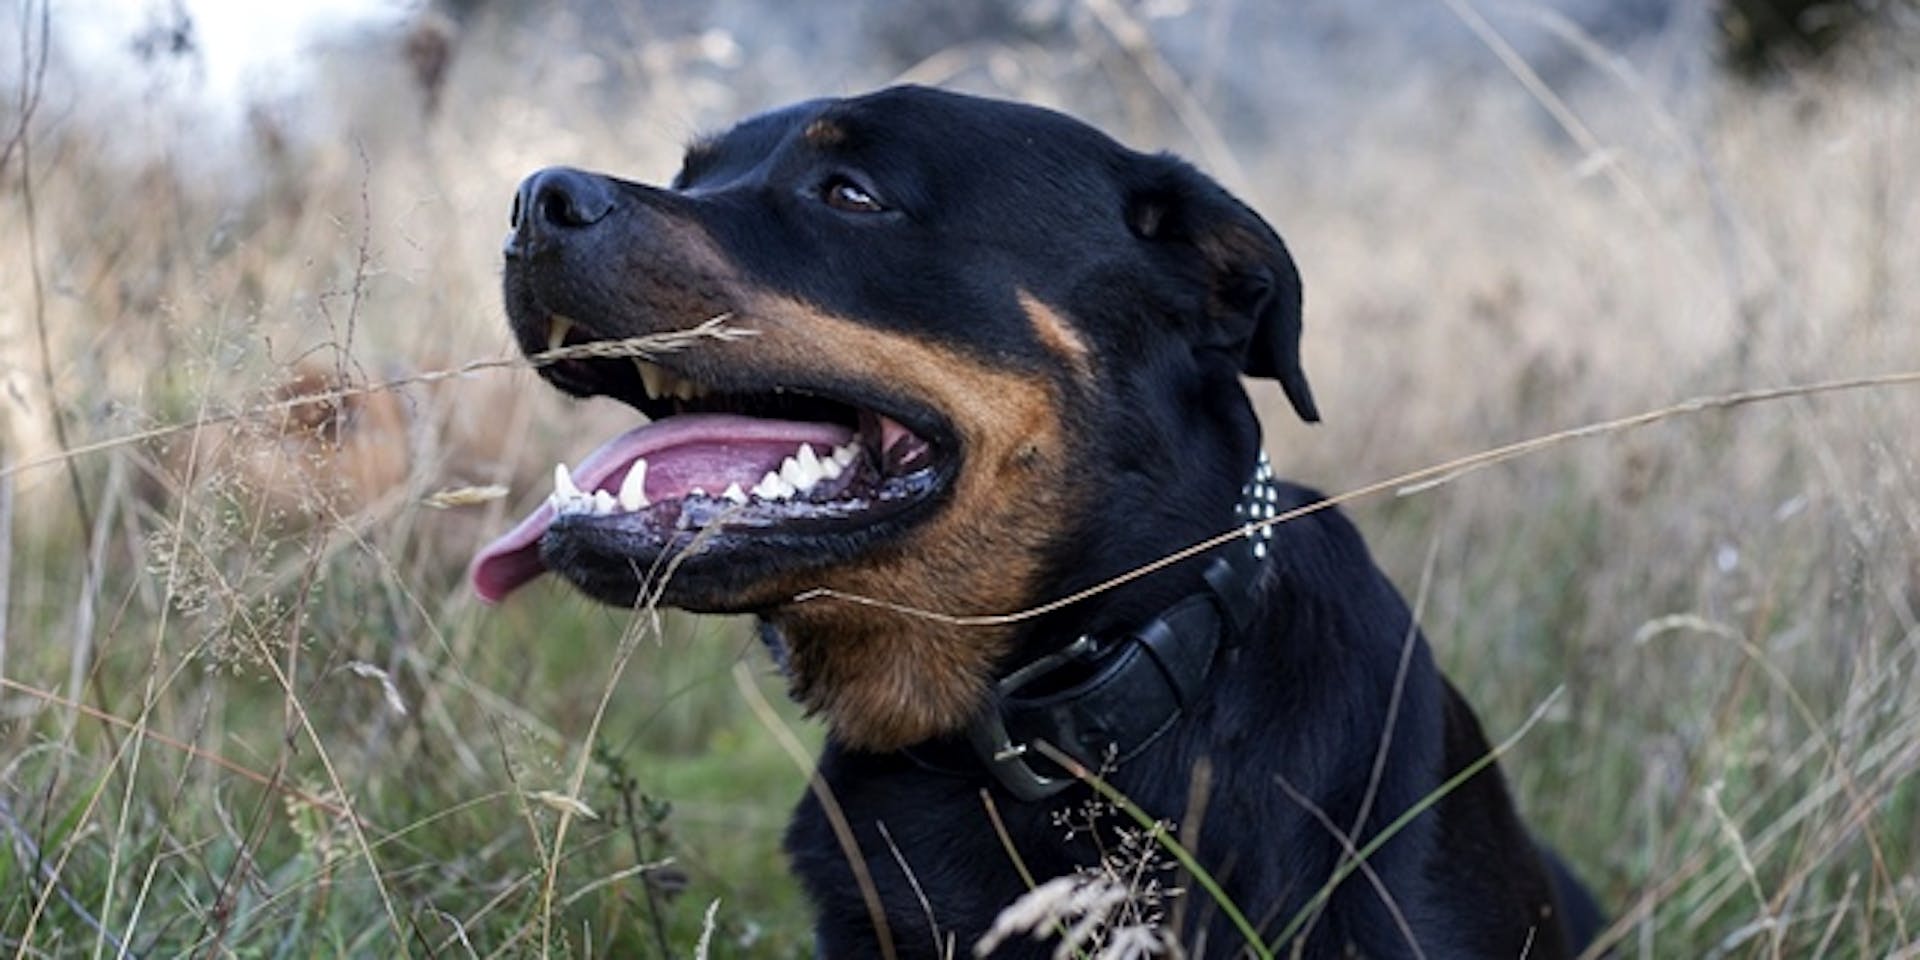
(983, 355)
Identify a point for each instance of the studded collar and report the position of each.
(1135, 685)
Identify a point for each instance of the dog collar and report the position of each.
(1136, 685)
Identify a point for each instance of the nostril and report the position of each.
(565, 198)
(551, 206)
(559, 208)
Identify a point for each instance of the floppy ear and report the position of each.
(1254, 294)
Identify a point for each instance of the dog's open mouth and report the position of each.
(743, 477)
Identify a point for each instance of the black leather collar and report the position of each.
(1135, 685)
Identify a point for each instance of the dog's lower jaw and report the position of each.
(884, 681)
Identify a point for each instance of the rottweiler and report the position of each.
(981, 360)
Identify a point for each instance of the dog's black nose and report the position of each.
(552, 203)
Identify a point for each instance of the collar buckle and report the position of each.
(1006, 757)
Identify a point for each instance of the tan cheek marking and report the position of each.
(1057, 335)
(883, 679)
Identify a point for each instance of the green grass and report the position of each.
(194, 690)
(444, 790)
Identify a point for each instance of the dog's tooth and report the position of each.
(566, 499)
(799, 473)
(792, 475)
(773, 487)
(557, 328)
(845, 453)
(563, 482)
(652, 379)
(807, 458)
(633, 489)
(831, 469)
(735, 494)
(603, 503)
(696, 491)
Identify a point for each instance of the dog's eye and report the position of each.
(841, 193)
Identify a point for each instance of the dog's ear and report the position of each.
(1254, 292)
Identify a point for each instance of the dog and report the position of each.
(984, 361)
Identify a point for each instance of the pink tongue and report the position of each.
(709, 450)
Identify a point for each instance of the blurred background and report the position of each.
(258, 406)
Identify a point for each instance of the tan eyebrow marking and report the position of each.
(825, 133)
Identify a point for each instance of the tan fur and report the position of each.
(884, 679)
(1057, 335)
(825, 133)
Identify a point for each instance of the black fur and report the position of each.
(1176, 289)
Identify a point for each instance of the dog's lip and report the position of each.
(652, 384)
(513, 559)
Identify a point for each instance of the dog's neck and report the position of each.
(1127, 690)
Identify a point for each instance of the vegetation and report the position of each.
(248, 708)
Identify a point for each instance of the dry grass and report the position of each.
(248, 707)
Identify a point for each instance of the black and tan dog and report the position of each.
(994, 358)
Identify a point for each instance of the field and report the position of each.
(249, 708)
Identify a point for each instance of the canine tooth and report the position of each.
(603, 503)
(557, 328)
(735, 494)
(633, 489)
(652, 379)
(566, 499)
(563, 483)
